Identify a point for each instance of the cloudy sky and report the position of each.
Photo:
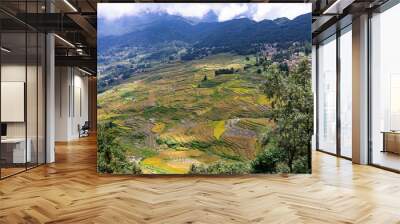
(224, 11)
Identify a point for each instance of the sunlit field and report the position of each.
(181, 114)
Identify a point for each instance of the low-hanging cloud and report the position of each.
(224, 11)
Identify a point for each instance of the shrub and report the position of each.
(136, 169)
(247, 66)
(169, 142)
(221, 167)
(301, 165)
(267, 160)
(139, 135)
(225, 71)
(282, 168)
(199, 145)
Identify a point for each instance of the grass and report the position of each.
(159, 166)
(128, 94)
(141, 152)
(219, 129)
(154, 111)
(158, 127)
(240, 90)
(263, 100)
(208, 84)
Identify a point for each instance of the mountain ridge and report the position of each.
(241, 32)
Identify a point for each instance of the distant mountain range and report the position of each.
(129, 24)
(241, 33)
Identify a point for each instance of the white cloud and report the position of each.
(112, 11)
(187, 10)
(224, 11)
(273, 11)
(230, 11)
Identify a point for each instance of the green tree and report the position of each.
(292, 111)
(110, 155)
(284, 67)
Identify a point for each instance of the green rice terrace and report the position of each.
(182, 114)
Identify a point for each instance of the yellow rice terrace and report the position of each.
(183, 114)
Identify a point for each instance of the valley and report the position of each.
(180, 114)
(179, 96)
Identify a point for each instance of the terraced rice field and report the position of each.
(181, 114)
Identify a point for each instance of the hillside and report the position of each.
(178, 96)
(235, 35)
(168, 39)
(171, 113)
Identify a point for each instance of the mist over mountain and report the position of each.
(233, 35)
(133, 23)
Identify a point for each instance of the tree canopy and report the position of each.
(288, 146)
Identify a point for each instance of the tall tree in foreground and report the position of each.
(292, 111)
(110, 155)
